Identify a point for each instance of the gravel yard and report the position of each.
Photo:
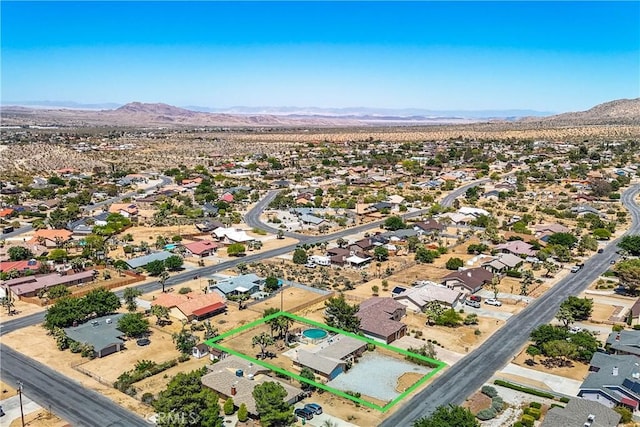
(386, 371)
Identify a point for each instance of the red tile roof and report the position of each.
(208, 309)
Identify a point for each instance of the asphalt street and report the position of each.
(68, 399)
(454, 385)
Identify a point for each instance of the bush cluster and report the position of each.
(525, 389)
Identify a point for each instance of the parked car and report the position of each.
(475, 298)
(310, 265)
(143, 341)
(575, 268)
(303, 413)
(472, 303)
(600, 250)
(613, 261)
(493, 301)
(317, 409)
(575, 329)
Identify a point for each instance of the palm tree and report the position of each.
(163, 279)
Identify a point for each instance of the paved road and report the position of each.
(66, 398)
(252, 218)
(164, 180)
(469, 374)
(18, 231)
(41, 382)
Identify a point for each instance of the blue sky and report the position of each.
(548, 56)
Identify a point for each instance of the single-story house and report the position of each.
(330, 359)
(20, 266)
(550, 228)
(312, 220)
(580, 413)
(338, 256)
(613, 380)
(380, 319)
(624, 342)
(503, 262)
(428, 226)
(245, 284)
(29, 286)
(141, 261)
(468, 281)
(191, 306)
(416, 299)
(236, 378)
(208, 226)
(127, 210)
(101, 333)
(517, 247)
(230, 235)
(476, 212)
(51, 238)
(202, 248)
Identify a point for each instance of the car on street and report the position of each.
(493, 301)
(575, 268)
(613, 261)
(600, 250)
(317, 409)
(303, 413)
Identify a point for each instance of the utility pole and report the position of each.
(20, 397)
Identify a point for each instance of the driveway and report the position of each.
(556, 383)
(11, 407)
(319, 420)
(485, 312)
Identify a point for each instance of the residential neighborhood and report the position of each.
(401, 260)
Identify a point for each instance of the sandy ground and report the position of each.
(40, 418)
(577, 372)
(22, 309)
(7, 391)
(34, 342)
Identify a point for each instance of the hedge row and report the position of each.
(524, 389)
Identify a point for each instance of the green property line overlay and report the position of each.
(439, 365)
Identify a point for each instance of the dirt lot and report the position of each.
(34, 342)
(578, 371)
(7, 391)
(22, 309)
(40, 418)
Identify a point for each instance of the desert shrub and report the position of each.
(514, 273)
(183, 358)
(147, 398)
(527, 420)
(617, 328)
(536, 405)
(535, 413)
(486, 414)
(75, 347)
(636, 327)
(489, 391)
(518, 424)
(497, 404)
(625, 413)
(564, 399)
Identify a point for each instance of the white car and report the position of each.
(575, 329)
(493, 301)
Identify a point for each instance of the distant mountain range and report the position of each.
(301, 111)
(164, 115)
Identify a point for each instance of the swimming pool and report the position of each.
(170, 246)
(315, 333)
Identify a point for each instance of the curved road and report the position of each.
(50, 388)
(455, 384)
